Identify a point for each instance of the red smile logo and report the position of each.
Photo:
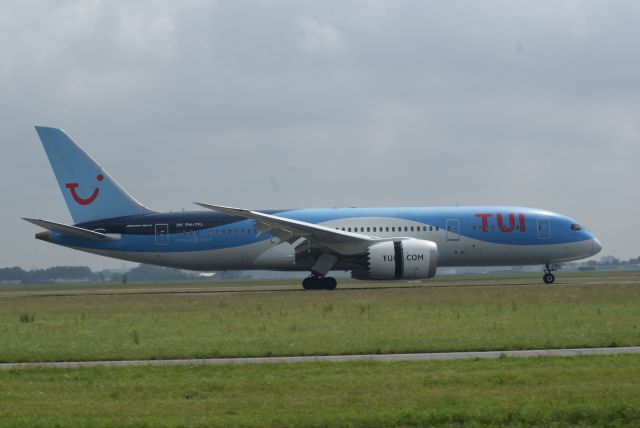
(72, 187)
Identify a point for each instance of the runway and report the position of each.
(212, 289)
(570, 352)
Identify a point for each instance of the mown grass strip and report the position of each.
(423, 319)
(584, 391)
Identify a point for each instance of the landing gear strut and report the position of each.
(315, 282)
(549, 277)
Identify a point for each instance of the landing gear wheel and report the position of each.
(319, 283)
(310, 283)
(548, 277)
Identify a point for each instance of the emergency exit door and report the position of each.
(453, 229)
(162, 234)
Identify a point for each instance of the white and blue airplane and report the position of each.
(372, 243)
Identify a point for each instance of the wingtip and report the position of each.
(34, 221)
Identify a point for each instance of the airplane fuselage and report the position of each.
(465, 236)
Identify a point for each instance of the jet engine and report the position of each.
(402, 259)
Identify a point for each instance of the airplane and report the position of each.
(372, 243)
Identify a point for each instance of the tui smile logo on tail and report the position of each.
(82, 201)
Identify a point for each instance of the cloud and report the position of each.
(319, 37)
(293, 103)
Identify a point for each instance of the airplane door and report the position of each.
(453, 229)
(544, 228)
(162, 234)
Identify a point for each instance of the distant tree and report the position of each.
(61, 272)
(609, 260)
(13, 274)
(231, 275)
(158, 273)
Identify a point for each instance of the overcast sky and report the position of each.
(266, 104)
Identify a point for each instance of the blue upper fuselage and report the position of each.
(189, 231)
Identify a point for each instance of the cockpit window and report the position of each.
(576, 227)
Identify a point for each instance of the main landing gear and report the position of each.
(549, 277)
(315, 282)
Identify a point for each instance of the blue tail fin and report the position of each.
(88, 190)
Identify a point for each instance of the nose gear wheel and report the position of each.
(549, 277)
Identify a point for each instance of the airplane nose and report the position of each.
(595, 246)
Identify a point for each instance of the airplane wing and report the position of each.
(299, 232)
(66, 229)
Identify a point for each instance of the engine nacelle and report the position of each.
(406, 259)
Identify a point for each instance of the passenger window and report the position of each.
(374, 229)
(393, 229)
(406, 229)
(368, 229)
(362, 229)
(412, 228)
(349, 229)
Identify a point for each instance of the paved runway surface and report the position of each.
(335, 358)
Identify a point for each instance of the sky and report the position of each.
(281, 104)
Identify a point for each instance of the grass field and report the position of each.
(87, 322)
(579, 391)
(455, 314)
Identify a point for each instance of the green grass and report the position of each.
(578, 391)
(452, 313)
(588, 310)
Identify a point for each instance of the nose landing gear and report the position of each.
(548, 276)
(315, 282)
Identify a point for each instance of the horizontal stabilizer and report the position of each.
(66, 229)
